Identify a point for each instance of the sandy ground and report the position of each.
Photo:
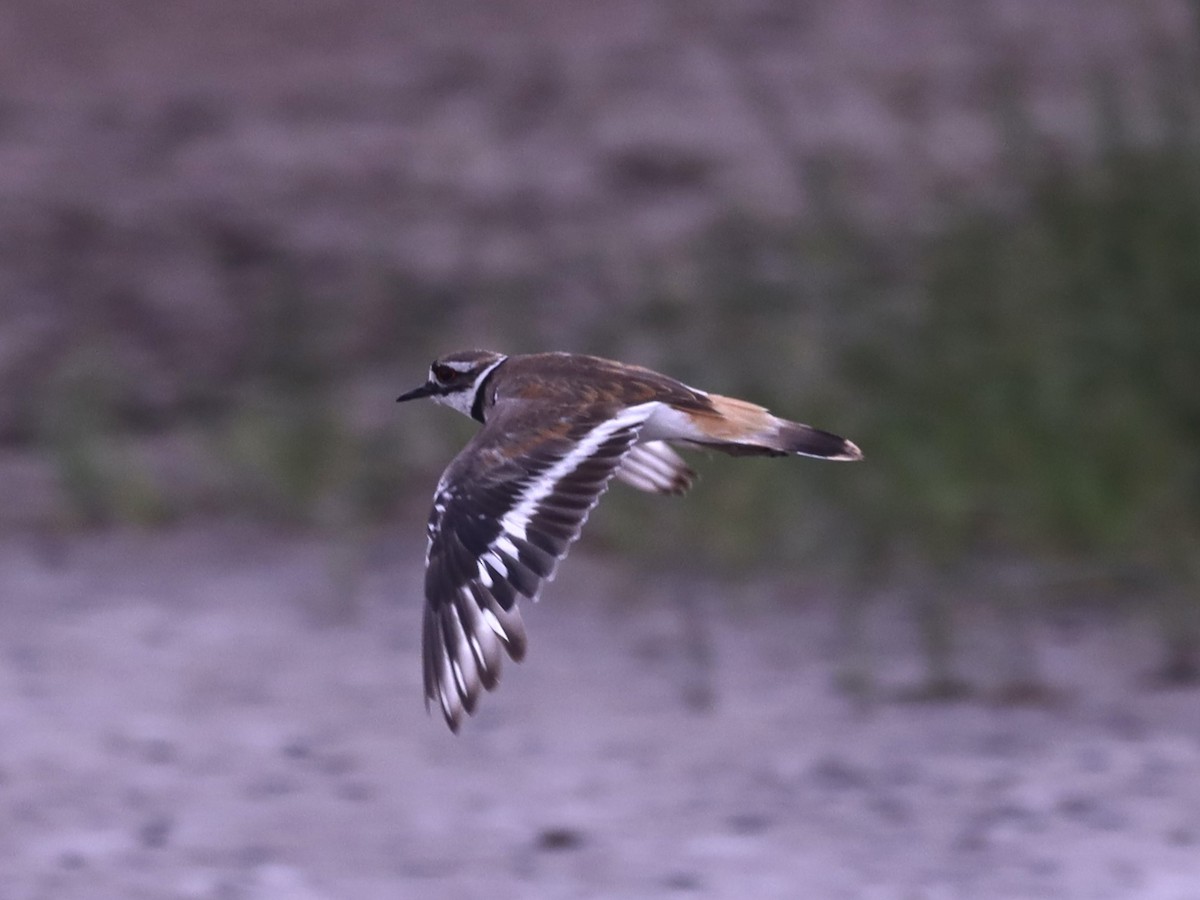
(181, 720)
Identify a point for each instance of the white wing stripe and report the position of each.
(516, 520)
(505, 545)
(494, 562)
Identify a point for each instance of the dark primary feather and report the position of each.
(461, 648)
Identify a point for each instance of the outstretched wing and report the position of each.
(505, 513)
(654, 467)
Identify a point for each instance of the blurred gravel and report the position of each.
(177, 727)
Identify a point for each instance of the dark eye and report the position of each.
(443, 373)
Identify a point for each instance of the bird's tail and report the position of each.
(751, 430)
(805, 440)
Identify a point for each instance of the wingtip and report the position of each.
(451, 721)
(657, 469)
(851, 452)
(452, 712)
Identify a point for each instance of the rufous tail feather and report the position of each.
(746, 429)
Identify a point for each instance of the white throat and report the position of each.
(465, 399)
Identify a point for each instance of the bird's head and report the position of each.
(454, 380)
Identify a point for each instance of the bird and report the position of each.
(557, 429)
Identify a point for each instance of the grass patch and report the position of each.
(1038, 401)
(102, 479)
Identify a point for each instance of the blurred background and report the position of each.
(964, 234)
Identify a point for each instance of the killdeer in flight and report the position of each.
(557, 428)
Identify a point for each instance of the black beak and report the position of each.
(423, 391)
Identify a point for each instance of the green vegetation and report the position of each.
(100, 473)
(1039, 401)
(1025, 383)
